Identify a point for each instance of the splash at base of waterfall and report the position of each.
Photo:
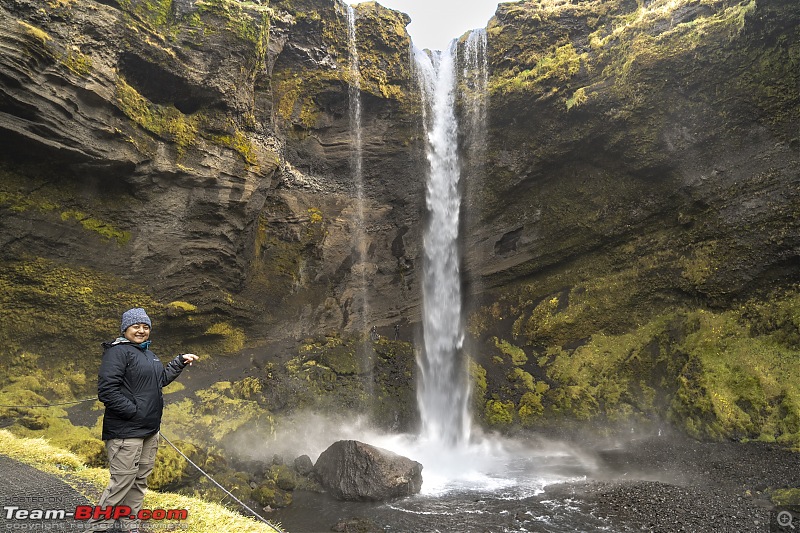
(491, 484)
(494, 464)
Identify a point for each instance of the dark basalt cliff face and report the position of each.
(639, 198)
(634, 215)
(614, 130)
(205, 146)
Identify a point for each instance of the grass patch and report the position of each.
(203, 516)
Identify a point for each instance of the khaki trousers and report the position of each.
(130, 462)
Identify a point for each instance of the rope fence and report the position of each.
(49, 404)
(274, 526)
(223, 489)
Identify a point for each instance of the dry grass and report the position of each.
(203, 516)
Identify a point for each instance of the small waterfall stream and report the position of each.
(475, 76)
(360, 306)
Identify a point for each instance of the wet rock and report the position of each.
(356, 525)
(352, 470)
(303, 465)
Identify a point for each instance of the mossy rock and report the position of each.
(172, 470)
(93, 451)
(342, 360)
(284, 477)
(268, 494)
(717, 375)
(499, 414)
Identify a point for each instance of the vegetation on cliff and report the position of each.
(641, 183)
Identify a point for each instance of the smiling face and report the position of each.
(137, 333)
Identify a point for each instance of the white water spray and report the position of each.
(443, 390)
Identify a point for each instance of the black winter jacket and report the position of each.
(129, 383)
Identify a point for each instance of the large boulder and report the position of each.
(352, 470)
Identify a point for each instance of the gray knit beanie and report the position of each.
(133, 316)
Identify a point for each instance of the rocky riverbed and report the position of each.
(671, 484)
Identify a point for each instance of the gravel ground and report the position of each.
(674, 484)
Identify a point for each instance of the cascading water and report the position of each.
(471, 482)
(475, 76)
(361, 300)
(443, 391)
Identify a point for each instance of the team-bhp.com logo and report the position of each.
(86, 512)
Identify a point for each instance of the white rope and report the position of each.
(223, 489)
(49, 404)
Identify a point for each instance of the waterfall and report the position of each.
(475, 88)
(356, 165)
(443, 390)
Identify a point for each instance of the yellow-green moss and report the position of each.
(212, 414)
(560, 65)
(249, 388)
(295, 103)
(204, 517)
(77, 62)
(157, 13)
(578, 97)
(525, 380)
(33, 291)
(185, 307)
(31, 385)
(21, 195)
(516, 354)
(37, 33)
(530, 409)
(718, 375)
(164, 121)
(478, 376)
(280, 258)
(69, 56)
(499, 413)
(736, 385)
(240, 143)
(103, 229)
(623, 42)
(701, 264)
(382, 49)
(249, 27)
(333, 353)
(232, 338)
(171, 468)
(314, 215)
(786, 497)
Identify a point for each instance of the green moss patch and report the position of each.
(216, 413)
(166, 122)
(718, 375)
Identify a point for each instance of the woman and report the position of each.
(129, 384)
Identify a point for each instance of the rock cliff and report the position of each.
(634, 213)
(632, 241)
(202, 150)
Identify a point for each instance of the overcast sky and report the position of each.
(434, 23)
